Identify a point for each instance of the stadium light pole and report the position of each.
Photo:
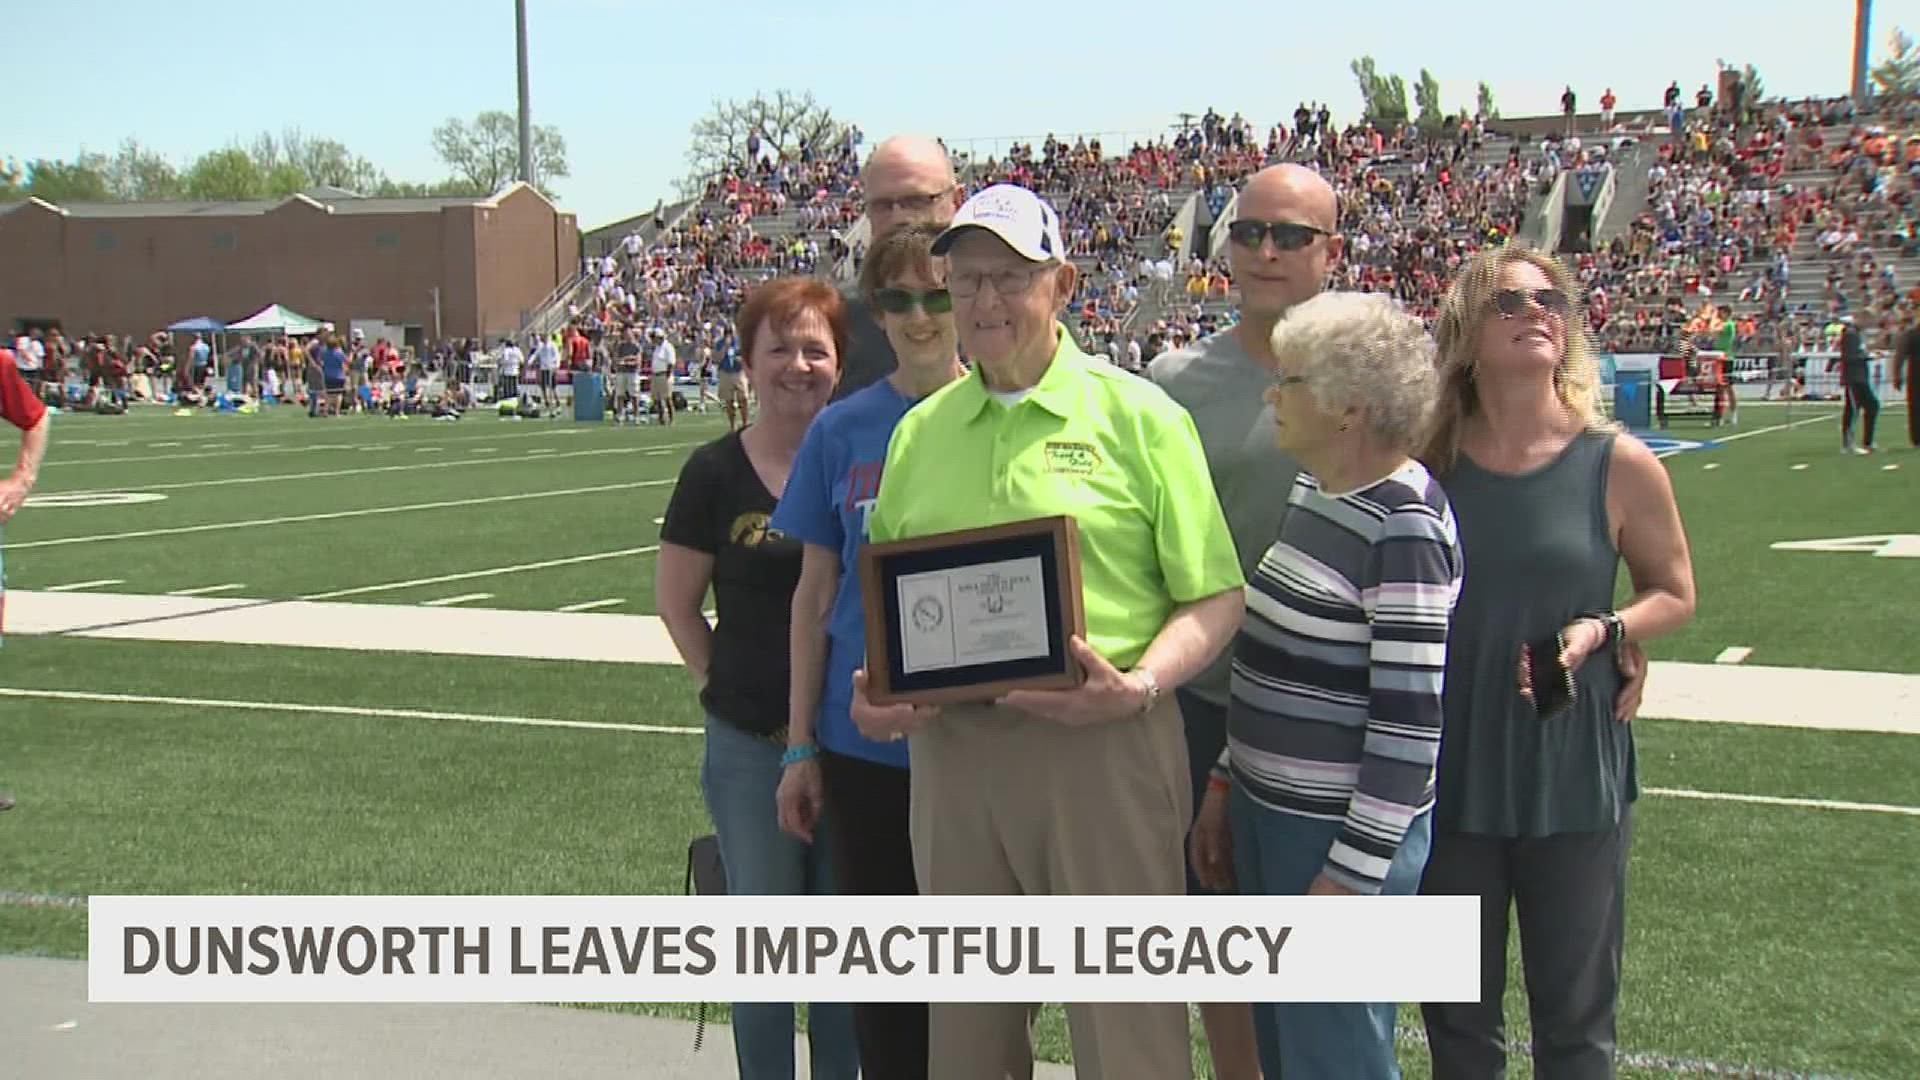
(526, 119)
(1862, 21)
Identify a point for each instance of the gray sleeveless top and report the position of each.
(1538, 553)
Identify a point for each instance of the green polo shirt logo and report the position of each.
(1072, 458)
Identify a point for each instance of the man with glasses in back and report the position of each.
(909, 179)
(1282, 242)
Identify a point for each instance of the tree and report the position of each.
(484, 156)
(1483, 104)
(65, 182)
(1898, 76)
(12, 182)
(228, 175)
(294, 161)
(137, 174)
(1432, 120)
(441, 189)
(785, 121)
(1383, 97)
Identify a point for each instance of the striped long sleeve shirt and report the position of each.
(1339, 666)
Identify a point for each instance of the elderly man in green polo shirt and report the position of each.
(1071, 792)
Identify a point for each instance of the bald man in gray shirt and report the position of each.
(1281, 243)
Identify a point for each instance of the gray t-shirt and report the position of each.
(1224, 389)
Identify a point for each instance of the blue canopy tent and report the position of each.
(199, 324)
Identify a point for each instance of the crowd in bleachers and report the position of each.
(1711, 259)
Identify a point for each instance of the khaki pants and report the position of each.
(1009, 804)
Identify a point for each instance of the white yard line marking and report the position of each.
(1780, 800)
(463, 598)
(1777, 427)
(675, 729)
(591, 605)
(336, 515)
(437, 437)
(374, 448)
(652, 453)
(428, 449)
(75, 586)
(206, 590)
(1711, 465)
(485, 450)
(491, 571)
(1888, 468)
(1746, 694)
(1801, 467)
(344, 710)
(1649, 1060)
(322, 474)
(1751, 434)
(156, 446)
(1733, 654)
(540, 450)
(268, 446)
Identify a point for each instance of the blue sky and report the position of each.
(624, 79)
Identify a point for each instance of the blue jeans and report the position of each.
(1277, 854)
(738, 777)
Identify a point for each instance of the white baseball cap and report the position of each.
(1015, 215)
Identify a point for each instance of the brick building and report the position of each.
(132, 268)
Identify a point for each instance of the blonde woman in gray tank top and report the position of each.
(1534, 795)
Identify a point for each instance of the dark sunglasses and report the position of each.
(901, 301)
(1287, 235)
(1512, 302)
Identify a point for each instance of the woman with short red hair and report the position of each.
(794, 331)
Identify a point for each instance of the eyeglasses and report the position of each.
(907, 203)
(1287, 235)
(1008, 283)
(1512, 302)
(901, 301)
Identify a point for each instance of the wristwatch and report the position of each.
(1148, 680)
(1613, 624)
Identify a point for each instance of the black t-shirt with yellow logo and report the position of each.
(720, 507)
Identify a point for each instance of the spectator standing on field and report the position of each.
(662, 370)
(23, 410)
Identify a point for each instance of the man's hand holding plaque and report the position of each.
(1107, 694)
(887, 723)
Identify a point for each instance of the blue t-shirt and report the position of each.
(833, 485)
(333, 365)
(730, 361)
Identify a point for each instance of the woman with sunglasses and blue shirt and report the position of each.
(830, 762)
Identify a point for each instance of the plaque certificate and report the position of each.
(967, 616)
(974, 615)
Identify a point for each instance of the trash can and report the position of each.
(1633, 399)
(589, 397)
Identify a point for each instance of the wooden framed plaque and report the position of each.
(967, 616)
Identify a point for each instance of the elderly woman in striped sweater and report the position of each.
(1334, 724)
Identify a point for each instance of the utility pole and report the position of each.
(1862, 32)
(436, 313)
(526, 115)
